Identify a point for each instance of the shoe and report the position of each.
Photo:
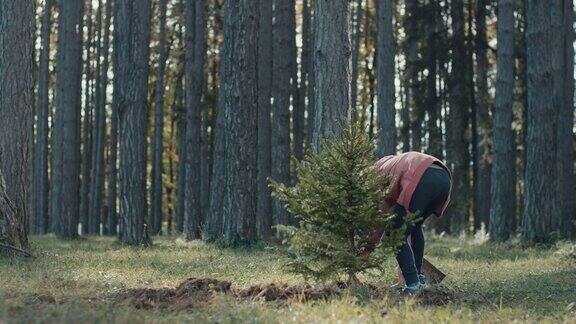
(411, 290)
(422, 280)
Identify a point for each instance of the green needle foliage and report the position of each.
(336, 201)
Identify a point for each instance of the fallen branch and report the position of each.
(15, 249)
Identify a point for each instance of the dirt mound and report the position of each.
(198, 292)
(285, 292)
(193, 292)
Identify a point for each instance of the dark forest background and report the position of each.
(151, 117)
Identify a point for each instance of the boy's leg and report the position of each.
(405, 256)
(417, 236)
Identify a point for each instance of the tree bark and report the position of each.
(357, 36)
(503, 192)
(181, 192)
(264, 201)
(194, 70)
(484, 123)
(238, 135)
(66, 184)
(539, 199)
(386, 75)
(16, 118)
(282, 39)
(9, 226)
(112, 217)
(459, 107)
(566, 181)
(97, 183)
(435, 142)
(332, 69)
(132, 22)
(41, 149)
(87, 126)
(155, 218)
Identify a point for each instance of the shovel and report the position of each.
(433, 275)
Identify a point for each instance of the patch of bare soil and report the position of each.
(199, 292)
(285, 292)
(193, 292)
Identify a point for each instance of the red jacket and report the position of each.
(406, 169)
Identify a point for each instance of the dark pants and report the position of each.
(431, 192)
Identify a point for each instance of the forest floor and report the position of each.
(98, 280)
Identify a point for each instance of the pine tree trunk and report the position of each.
(133, 31)
(283, 34)
(9, 226)
(87, 127)
(194, 67)
(435, 143)
(238, 103)
(181, 192)
(16, 116)
(459, 107)
(97, 183)
(112, 217)
(386, 75)
(308, 61)
(41, 149)
(503, 192)
(332, 69)
(155, 218)
(101, 105)
(298, 104)
(539, 199)
(67, 121)
(264, 201)
(357, 36)
(566, 181)
(483, 161)
(564, 131)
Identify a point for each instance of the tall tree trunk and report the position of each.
(113, 141)
(181, 113)
(459, 106)
(41, 148)
(564, 135)
(155, 218)
(483, 161)
(264, 201)
(539, 199)
(298, 98)
(87, 140)
(201, 43)
(133, 32)
(503, 192)
(67, 127)
(356, 44)
(195, 69)
(566, 181)
(101, 96)
(97, 183)
(332, 69)
(238, 104)
(282, 40)
(413, 95)
(9, 225)
(16, 113)
(308, 61)
(386, 75)
(432, 103)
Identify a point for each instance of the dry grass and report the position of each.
(81, 281)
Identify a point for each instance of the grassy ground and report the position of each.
(78, 282)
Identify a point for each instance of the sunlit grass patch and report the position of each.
(79, 281)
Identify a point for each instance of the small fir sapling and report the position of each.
(336, 202)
